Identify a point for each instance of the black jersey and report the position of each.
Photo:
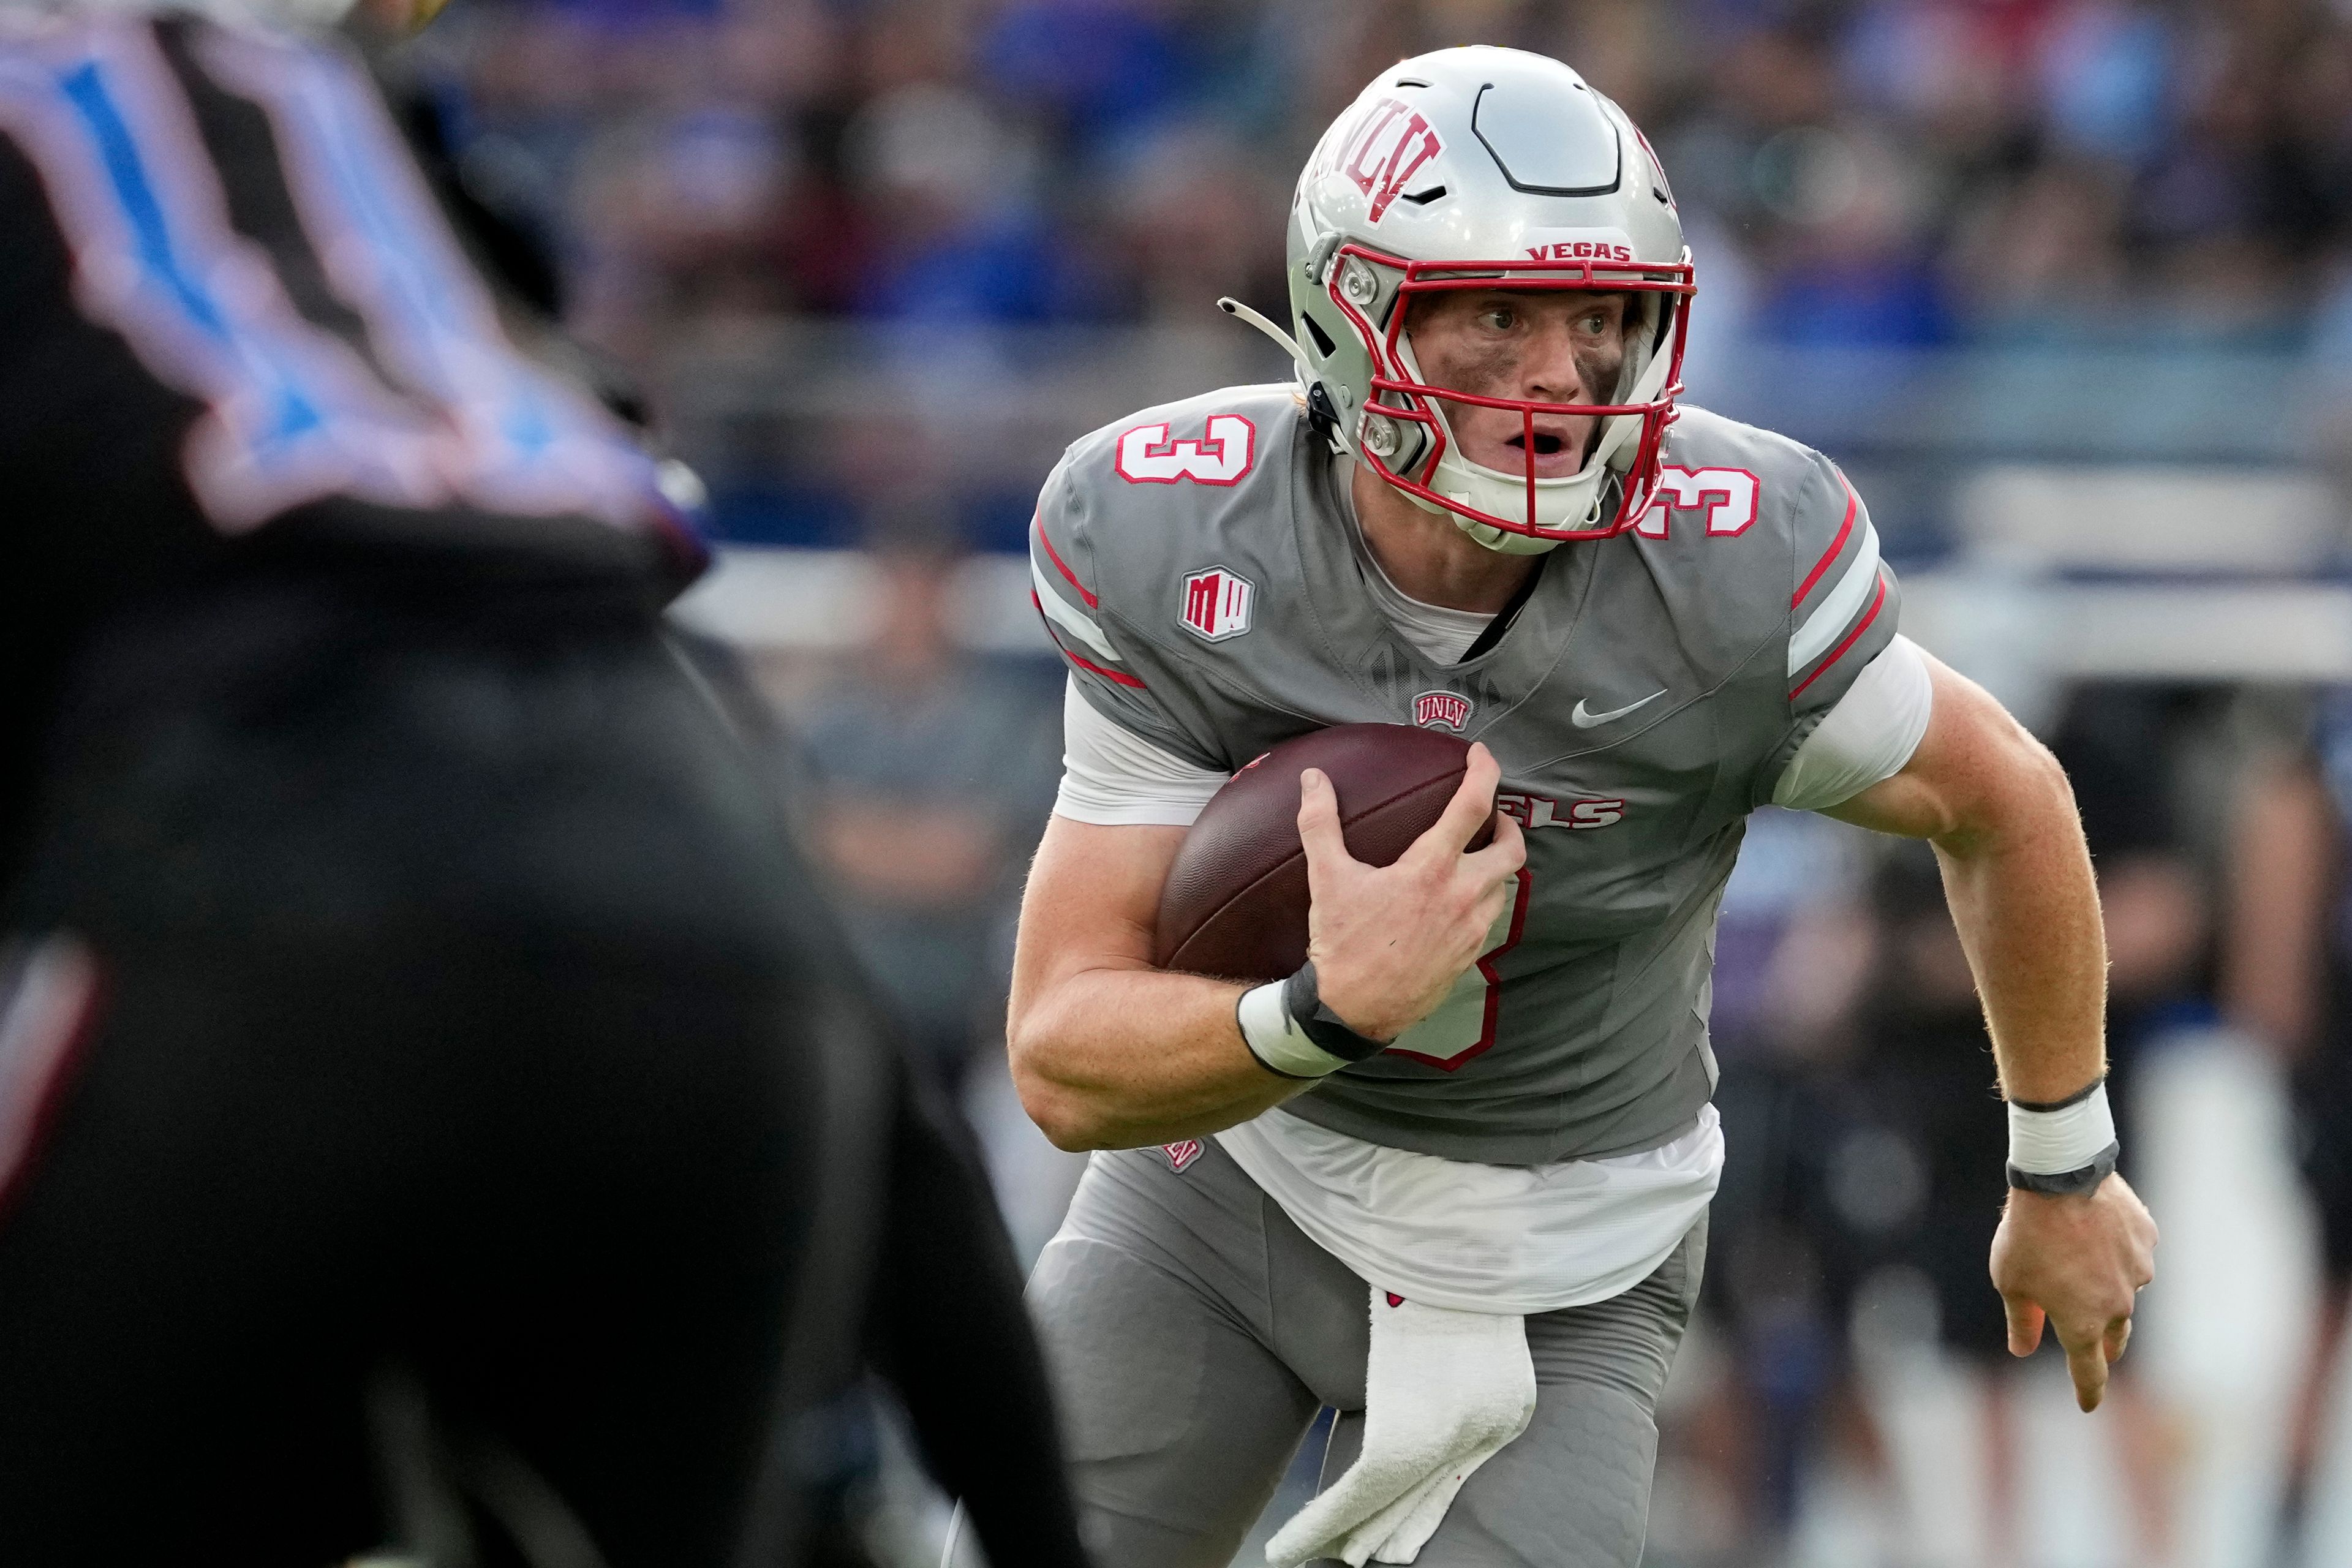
(236, 336)
(396, 940)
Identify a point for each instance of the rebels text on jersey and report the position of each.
(1198, 566)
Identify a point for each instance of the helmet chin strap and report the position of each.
(1232, 306)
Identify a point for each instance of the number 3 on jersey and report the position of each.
(1728, 495)
(1221, 456)
(1463, 1024)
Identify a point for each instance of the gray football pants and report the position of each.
(1193, 1331)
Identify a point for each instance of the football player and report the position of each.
(1452, 1177)
(428, 1092)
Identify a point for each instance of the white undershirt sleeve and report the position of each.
(1113, 777)
(1866, 737)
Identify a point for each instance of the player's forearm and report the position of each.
(1121, 1058)
(2019, 879)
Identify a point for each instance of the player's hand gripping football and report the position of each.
(2078, 1262)
(1389, 941)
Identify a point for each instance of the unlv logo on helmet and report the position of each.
(1216, 603)
(1434, 708)
(1387, 149)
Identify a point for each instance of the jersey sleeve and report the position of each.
(1842, 608)
(1063, 585)
(1113, 777)
(1867, 738)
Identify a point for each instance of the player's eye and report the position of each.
(1498, 318)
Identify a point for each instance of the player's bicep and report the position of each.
(1092, 901)
(1124, 807)
(1972, 764)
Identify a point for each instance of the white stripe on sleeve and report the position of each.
(1066, 615)
(1115, 778)
(1867, 736)
(1835, 613)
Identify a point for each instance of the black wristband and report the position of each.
(2076, 1098)
(1319, 1023)
(2068, 1183)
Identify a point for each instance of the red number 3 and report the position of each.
(1222, 456)
(1727, 494)
(1463, 1025)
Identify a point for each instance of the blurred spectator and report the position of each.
(2286, 959)
(1793, 949)
(931, 772)
(672, 211)
(1101, 68)
(1191, 204)
(967, 239)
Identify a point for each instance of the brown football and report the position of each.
(1235, 900)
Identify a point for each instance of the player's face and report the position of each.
(1553, 346)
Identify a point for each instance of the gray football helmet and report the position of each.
(1487, 168)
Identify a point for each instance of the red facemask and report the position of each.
(1400, 396)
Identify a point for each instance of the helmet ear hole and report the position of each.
(1323, 343)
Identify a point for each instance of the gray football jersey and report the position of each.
(1202, 575)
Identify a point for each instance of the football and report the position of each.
(1235, 901)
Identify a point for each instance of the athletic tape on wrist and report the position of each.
(1275, 1037)
(2076, 1135)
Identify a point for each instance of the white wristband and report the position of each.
(1275, 1038)
(2052, 1143)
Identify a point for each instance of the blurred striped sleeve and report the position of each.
(1844, 606)
(1064, 586)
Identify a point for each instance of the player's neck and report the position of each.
(1426, 556)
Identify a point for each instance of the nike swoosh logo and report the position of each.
(1585, 718)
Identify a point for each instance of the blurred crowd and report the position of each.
(1851, 171)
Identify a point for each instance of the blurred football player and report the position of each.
(430, 1102)
(1452, 1177)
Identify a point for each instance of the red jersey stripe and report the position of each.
(1853, 504)
(1061, 566)
(44, 1026)
(1099, 669)
(1850, 638)
(1074, 658)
